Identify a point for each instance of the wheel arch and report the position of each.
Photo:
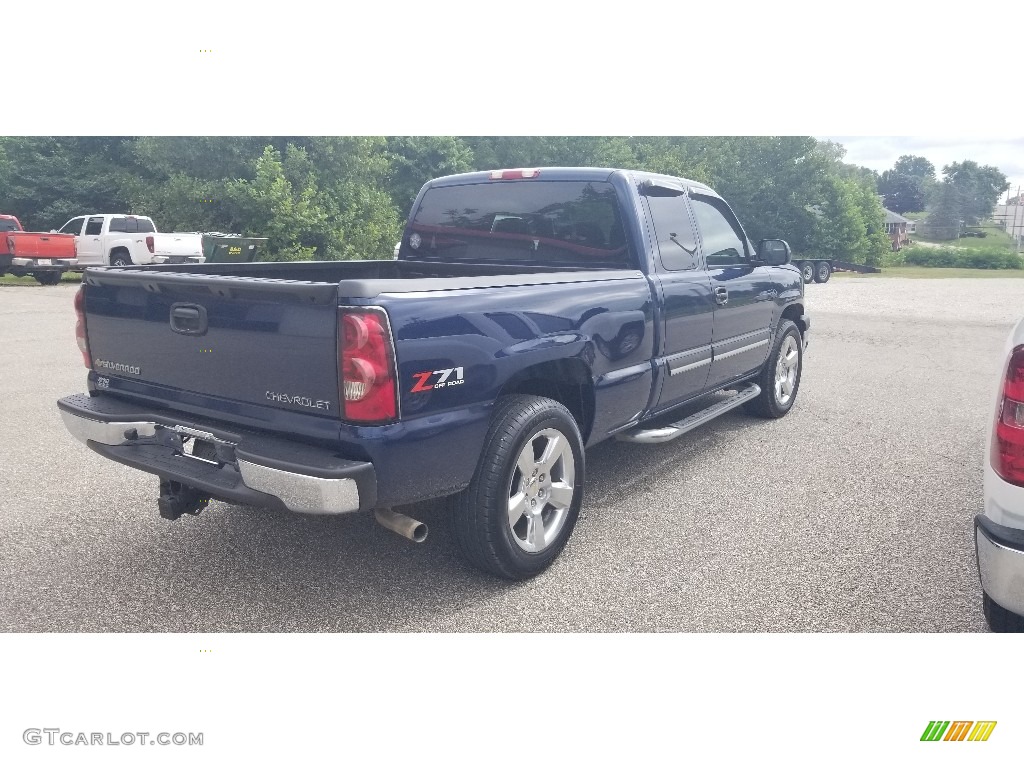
(568, 382)
(116, 250)
(797, 314)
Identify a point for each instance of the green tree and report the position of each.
(492, 152)
(945, 209)
(977, 188)
(289, 213)
(907, 184)
(48, 180)
(840, 230)
(876, 241)
(414, 160)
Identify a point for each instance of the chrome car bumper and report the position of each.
(244, 470)
(178, 260)
(1000, 552)
(41, 262)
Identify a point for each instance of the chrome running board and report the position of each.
(672, 431)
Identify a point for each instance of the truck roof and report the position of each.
(126, 215)
(563, 174)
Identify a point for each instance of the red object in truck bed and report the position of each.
(34, 245)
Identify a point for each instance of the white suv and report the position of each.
(999, 532)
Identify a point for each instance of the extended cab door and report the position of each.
(744, 294)
(686, 299)
(90, 243)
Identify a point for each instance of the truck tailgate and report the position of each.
(177, 244)
(266, 342)
(34, 245)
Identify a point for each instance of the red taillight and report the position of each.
(83, 342)
(149, 243)
(366, 366)
(519, 173)
(1008, 437)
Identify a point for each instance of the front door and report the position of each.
(744, 294)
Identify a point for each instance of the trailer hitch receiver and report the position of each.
(177, 499)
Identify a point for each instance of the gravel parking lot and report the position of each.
(853, 513)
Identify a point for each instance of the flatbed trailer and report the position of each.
(818, 270)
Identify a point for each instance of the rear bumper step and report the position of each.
(240, 466)
(672, 431)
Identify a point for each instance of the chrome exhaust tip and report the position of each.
(401, 524)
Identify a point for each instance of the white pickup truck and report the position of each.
(119, 239)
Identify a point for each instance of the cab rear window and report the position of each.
(544, 223)
(131, 224)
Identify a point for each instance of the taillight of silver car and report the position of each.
(1008, 436)
(83, 342)
(366, 367)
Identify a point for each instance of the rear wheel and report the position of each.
(525, 497)
(823, 272)
(120, 259)
(47, 278)
(807, 270)
(780, 378)
(999, 619)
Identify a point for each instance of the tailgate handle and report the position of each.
(188, 319)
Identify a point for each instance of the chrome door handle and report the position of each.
(721, 296)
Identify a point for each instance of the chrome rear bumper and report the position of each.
(240, 474)
(1000, 551)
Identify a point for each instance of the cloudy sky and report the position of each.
(880, 152)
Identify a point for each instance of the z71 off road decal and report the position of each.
(446, 377)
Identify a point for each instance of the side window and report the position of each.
(119, 224)
(677, 241)
(723, 240)
(95, 226)
(73, 227)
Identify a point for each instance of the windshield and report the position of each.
(544, 223)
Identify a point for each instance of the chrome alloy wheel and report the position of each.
(808, 272)
(541, 490)
(786, 371)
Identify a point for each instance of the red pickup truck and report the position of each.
(43, 256)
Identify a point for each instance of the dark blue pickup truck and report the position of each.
(530, 313)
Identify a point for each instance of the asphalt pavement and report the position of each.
(852, 513)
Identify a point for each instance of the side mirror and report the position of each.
(774, 253)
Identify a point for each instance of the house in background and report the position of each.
(898, 228)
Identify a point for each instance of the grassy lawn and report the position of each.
(936, 272)
(67, 277)
(997, 238)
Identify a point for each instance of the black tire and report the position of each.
(47, 278)
(481, 515)
(999, 619)
(120, 259)
(822, 272)
(769, 404)
(807, 270)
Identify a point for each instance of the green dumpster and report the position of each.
(221, 248)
